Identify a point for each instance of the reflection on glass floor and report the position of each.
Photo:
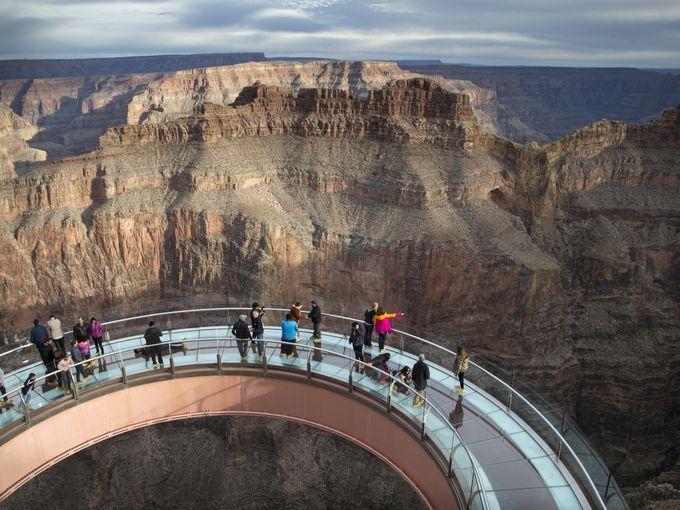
(517, 469)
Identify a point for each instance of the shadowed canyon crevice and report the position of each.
(220, 462)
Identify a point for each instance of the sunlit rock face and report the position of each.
(557, 260)
(220, 462)
(69, 113)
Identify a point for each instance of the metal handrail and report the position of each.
(554, 430)
(393, 380)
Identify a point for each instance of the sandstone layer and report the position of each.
(220, 462)
(559, 261)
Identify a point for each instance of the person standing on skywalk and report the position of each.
(420, 374)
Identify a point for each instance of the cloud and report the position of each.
(587, 32)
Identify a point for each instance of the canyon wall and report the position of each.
(58, 68)
(71, 113)
(558, 260)
(556, 100)
(220, 462)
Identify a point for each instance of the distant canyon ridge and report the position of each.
(463, 197)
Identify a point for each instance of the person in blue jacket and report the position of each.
(289, 334)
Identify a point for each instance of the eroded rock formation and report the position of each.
(560, 261)
(72, 112)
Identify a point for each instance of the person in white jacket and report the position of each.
(460, 366)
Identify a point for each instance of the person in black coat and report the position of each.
(241, 331)
(80, 331)
(258, 328)
(315, 316)
(40, 337)
(153, 335)
(420, 374)
(369, 315)
(356, 339)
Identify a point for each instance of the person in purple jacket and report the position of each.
(96, 331)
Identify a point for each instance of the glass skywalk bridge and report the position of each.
(488, 445)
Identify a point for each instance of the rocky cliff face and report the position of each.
(71, 113)
(560, 260)
(220, 462)
(553, 101)
(14, 131)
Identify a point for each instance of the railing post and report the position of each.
(401, 343)
(472, 488)
(512, 384)
(389, 396)
(309, 363)
(172, 360)
(27, 416)
(561, 444)
(350, 382)
(219, 363)
(123, 373)
(422, 426)
(73, 384)
(264, 358)
(609, 481)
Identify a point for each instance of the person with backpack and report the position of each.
(369, 316)
(153, 335)
(420, 375)
(242, 334)
(96, 331)
(383, 326)
(356, 339)
(56, 334)
(258, 328)
(460, 366)
(315, 316)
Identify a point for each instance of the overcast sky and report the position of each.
(640, 33)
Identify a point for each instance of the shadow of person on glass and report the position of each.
(457, 414)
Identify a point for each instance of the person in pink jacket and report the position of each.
(383, 326)
(96, 331)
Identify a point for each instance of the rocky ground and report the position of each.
(219, 462)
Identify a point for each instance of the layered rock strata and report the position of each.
(560, 261)
(71, 113)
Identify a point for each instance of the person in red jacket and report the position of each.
(383, 326)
